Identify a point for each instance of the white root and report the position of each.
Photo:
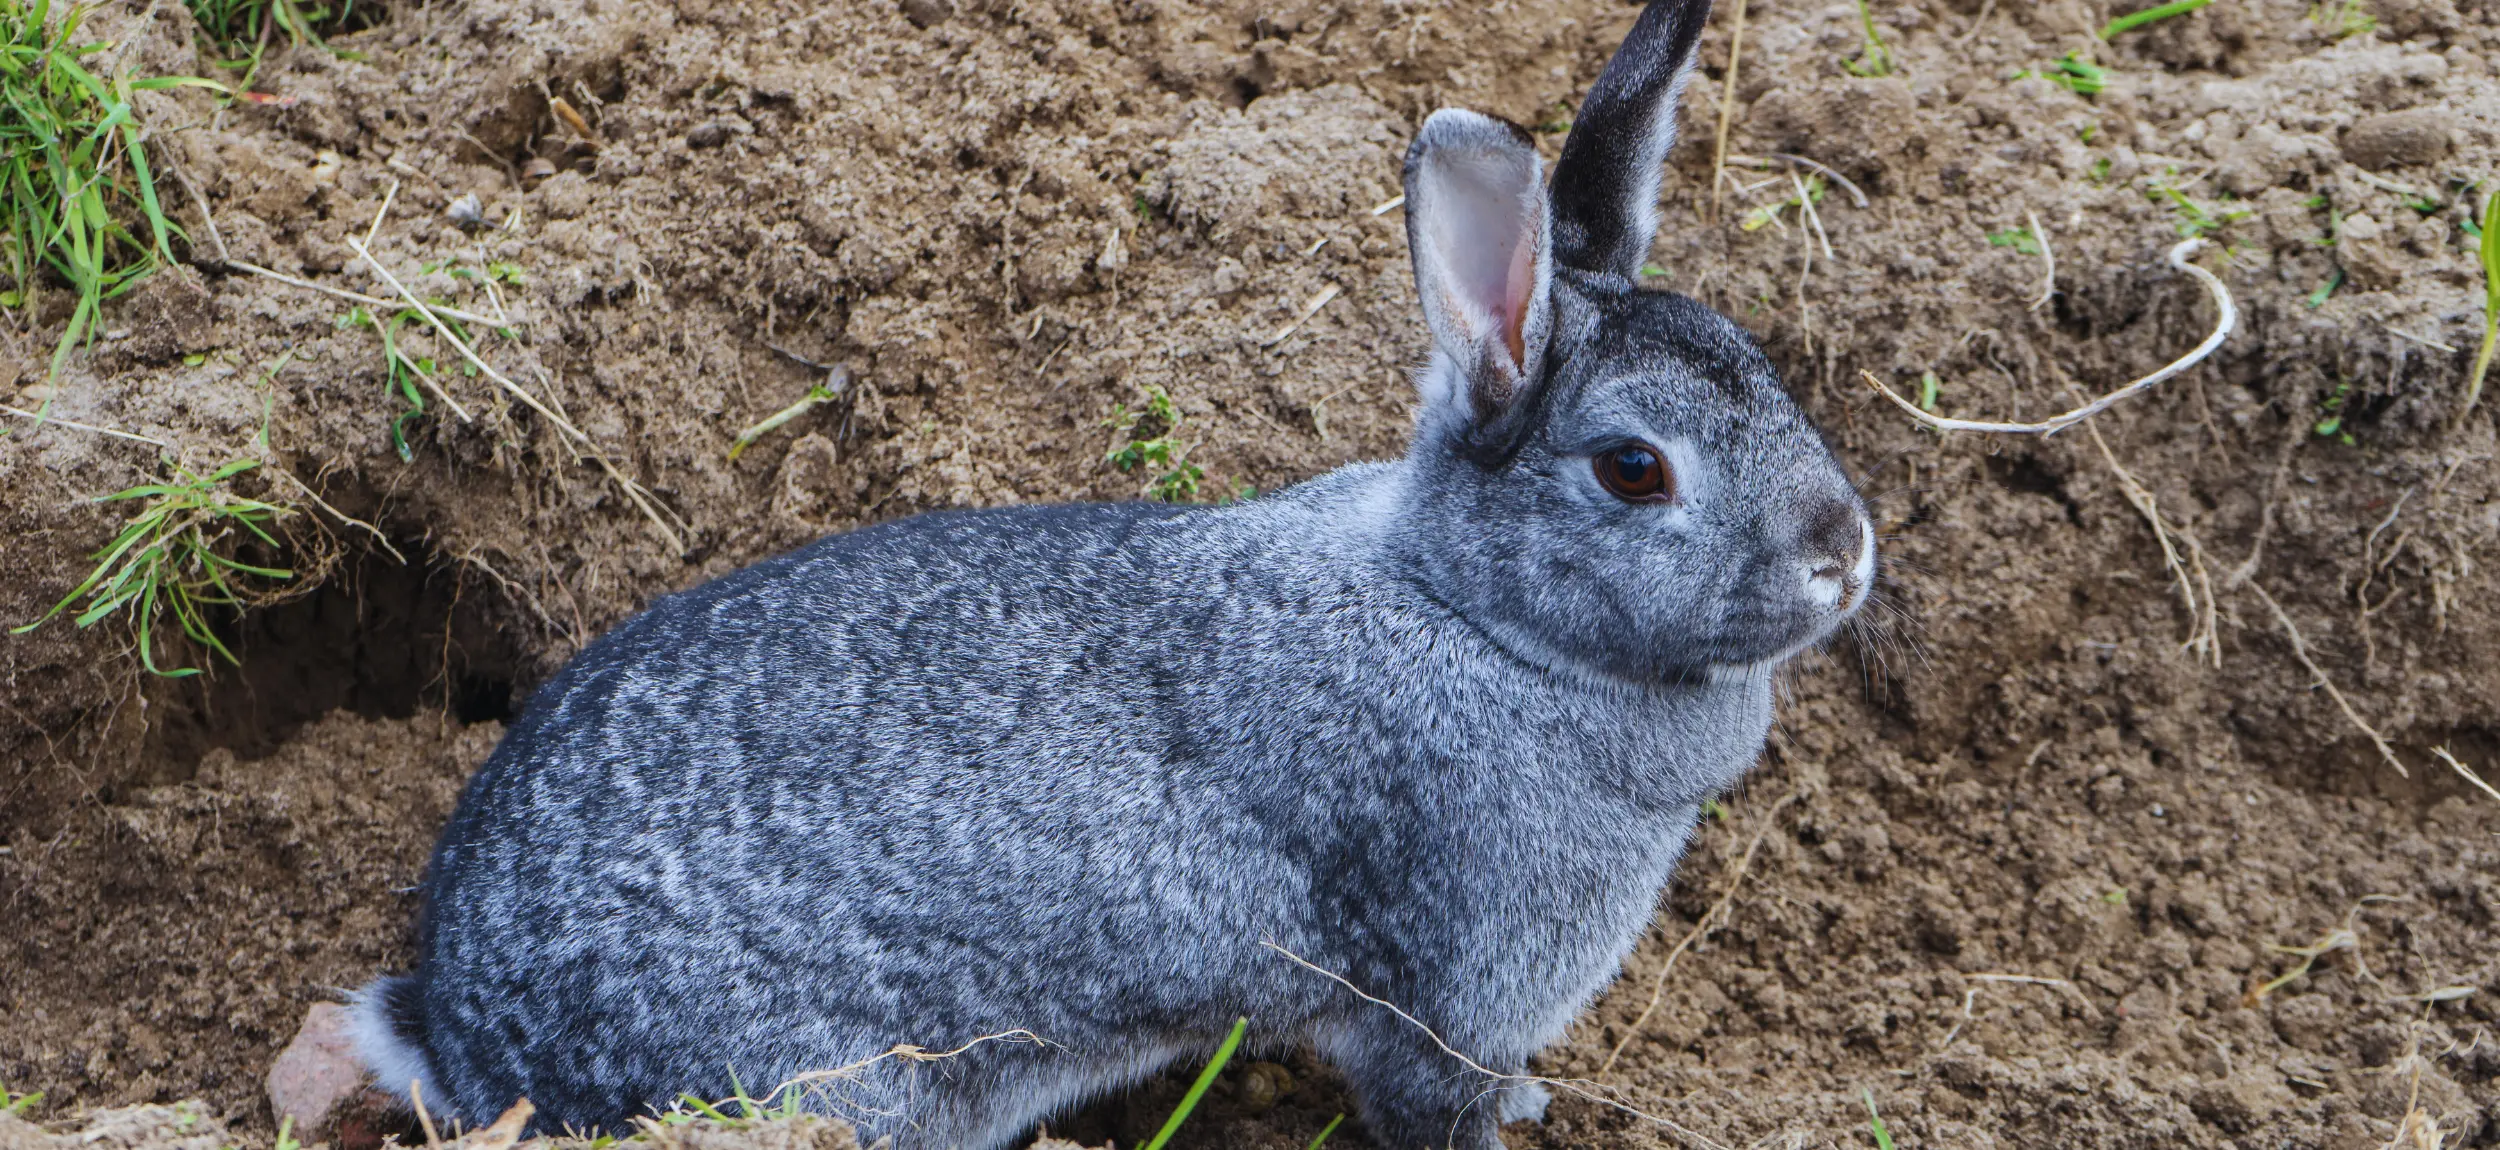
(2228, 319)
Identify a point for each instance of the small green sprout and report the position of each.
(286, 1134)
(173, 557)
(2115, 896)
(2134, 20)
(835, 383)
(401, 372)
(1874, 58)
(2075, 74)
(2100, 170)
(1324, 1132)
(2326, 291)
(2488, 233)
(1928, 388)
(1714, 809)
(2344, 19)
(2019, 239)
(1875, 1122)
(1198, 1089)
(1151, 444)
(2331, 413)
(18, 1105)
(1652, 270)
(1769, 214)
(2194, 218)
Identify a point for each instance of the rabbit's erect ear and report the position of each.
(1476, 224)
(1606, 184)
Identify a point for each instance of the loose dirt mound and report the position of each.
(2024, 846)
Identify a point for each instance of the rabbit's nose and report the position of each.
(1839, 556)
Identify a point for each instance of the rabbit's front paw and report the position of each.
(1524, 1103)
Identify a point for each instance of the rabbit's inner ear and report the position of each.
(1477, 225)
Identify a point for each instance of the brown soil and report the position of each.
(1006, 221)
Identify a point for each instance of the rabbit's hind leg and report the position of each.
(1413, 1095)
(989, 1099)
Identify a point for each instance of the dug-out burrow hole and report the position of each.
(383, 638)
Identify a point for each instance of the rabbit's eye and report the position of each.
(1636, 473)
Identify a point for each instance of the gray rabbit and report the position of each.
(1438, 725)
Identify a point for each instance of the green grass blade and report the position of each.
(2134, 20)
(1324, 1132)
(1198, 1089)
(1875, 1122)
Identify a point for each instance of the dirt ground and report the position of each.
(2026, 842)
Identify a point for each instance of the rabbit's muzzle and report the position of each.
(1838, 558)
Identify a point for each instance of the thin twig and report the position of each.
(1727, 106)
(339, 515)
(1856, 197)
(2229, 318)
(51, 421)
(2300, 651)
(633, 490)
(2048, 261)
(2036, 980)
(1309, 309)
(2441, 753)
(1714, 917)
(1575, 1088)
(2204, 637)
(362, 298)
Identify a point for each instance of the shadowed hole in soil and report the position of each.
(379, 638)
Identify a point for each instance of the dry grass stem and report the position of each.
(416, 1098)
(1814, 219)
(53, 421)
(2188, 575)
(1576, 1088)
(632, 490)
(2223, 323)
(2300, 651)
(337, 514)
(1727, 106)
(2048, 261)
(2071, 989)
(1309, 309)
(1389, 205)
(1711, 919)
(2441, 753)
(362, 298)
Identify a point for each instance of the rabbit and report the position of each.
(1081, 775)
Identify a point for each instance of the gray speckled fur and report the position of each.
(1439, 725)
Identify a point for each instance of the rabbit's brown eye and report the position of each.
(1636, 473)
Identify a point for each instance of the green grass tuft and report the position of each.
(172, 558)
(1324, 1132)
(239, 32)
(1151, 443)
(18, 1105)
(74, 169)
(1874, 57)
